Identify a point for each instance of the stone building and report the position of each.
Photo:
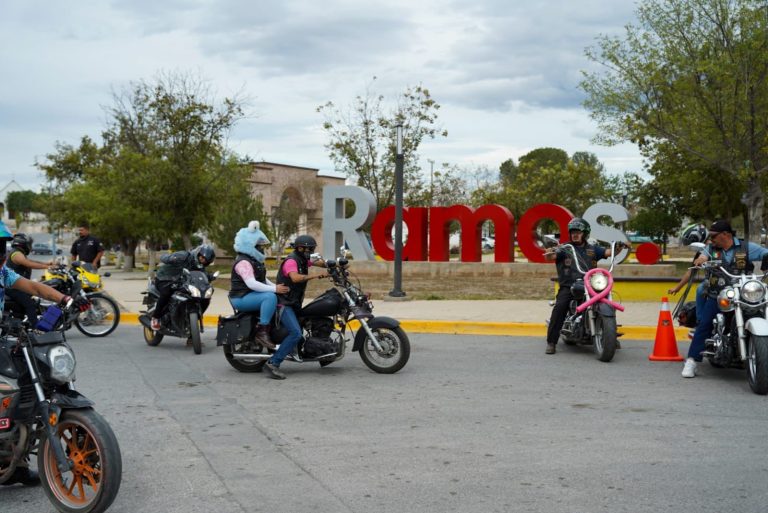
(295, 189)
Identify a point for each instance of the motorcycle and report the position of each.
(78, 456)
(591, 318)
(740, 329)
(103, 316)
(184, 316)
(325, 321)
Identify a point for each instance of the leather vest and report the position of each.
(238, 288)
(21, 270)
(736, 265)
(295, 296)
(567, 273)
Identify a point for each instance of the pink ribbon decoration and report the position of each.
(598, 296)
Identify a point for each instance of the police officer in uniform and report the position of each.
(87, 248)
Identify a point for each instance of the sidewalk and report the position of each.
(510, 317)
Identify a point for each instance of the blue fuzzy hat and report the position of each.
(247, 238)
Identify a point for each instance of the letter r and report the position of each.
(337, 228)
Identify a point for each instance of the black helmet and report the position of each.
(694, 233)
(22, 242)
(305, 241)
(207, 253)
(581, 225)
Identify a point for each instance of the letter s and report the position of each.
(603, 233)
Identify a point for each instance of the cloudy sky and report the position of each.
(505, 71)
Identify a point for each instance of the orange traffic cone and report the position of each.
(665, 347)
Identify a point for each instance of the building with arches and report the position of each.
(292, 197)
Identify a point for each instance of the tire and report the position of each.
(92, 484)
(242, 365)
(396, 350)
(151, 337)
(194, 332)
(757, 364)
(605, 338)
(101, 319)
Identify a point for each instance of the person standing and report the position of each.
(87, 248)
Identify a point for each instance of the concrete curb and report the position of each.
(509, 329)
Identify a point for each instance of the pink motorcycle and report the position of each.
(591, 318)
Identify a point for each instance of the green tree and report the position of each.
(362, 139)
(691, 75)
(20, 204)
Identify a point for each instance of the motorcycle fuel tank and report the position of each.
(325, 305)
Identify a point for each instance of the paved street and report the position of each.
(471, 424)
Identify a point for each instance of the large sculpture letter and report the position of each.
(471, 221)
(414, 225)
(526, 228)
(601, 232)
(337, 229)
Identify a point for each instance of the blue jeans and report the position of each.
(263, 302)
(704, 316)
(701, 298)
(291, 323)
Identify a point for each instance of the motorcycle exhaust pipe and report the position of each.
(245, 356)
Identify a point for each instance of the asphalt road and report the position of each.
(471, 424)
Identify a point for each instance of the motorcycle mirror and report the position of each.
(343, 262)
(107, 274)
(330, 264)
(215, 275)
(549, 242)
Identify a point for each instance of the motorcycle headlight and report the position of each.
(598, 282)
(194, 291)
(62, 362)
(208, 292)
(753, 291)
(725, 299)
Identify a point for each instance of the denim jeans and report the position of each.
(291, 323)
(705, 316)
(701, 298)
(263, 302)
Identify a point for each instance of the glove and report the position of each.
(79, 303)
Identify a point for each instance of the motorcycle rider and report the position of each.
(11, 281)
(21, 246)
(293, 273)
(724, 246)
(250, 290)
(589, 255)
(171, 269)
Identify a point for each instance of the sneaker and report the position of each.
(25, 476)
(551, 349)
(274, 371)
(689, 369)
(155, 324)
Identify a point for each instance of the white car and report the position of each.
(488, 242)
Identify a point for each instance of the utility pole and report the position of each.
(431, 174)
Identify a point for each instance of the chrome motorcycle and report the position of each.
(327, 324)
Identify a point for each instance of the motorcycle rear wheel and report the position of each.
(605, 338)
(101, 319)
(194, 333)
(396, 349)
(757, 364)
(242, 365)
(93, 482)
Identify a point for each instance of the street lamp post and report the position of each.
(397, 291)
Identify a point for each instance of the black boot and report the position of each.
(25, 476)
(262, 336)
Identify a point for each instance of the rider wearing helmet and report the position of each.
(21, 246)
(567, 273)
(172, 269)
(251, 290)
(294, 274)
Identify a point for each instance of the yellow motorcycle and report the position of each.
(104, 315)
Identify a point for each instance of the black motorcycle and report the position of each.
(383, 345)
(41, 413)
(184, 315)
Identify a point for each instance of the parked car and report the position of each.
(488, 243)
(43, 248)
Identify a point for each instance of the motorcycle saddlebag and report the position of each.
(234, 329)
(687, 315)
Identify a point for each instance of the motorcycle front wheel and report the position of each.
(194, 332)
(605, 338)
(101, 318)
(757, 364)
(92, 483)
(394, 354)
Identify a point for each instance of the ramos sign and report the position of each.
(428, 228)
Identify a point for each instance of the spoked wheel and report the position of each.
(605, 338)
(757, 364)
(254, 365)
(395, 350)
(101, 318)
(194, 333)
(152, 337)
(92, 483)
